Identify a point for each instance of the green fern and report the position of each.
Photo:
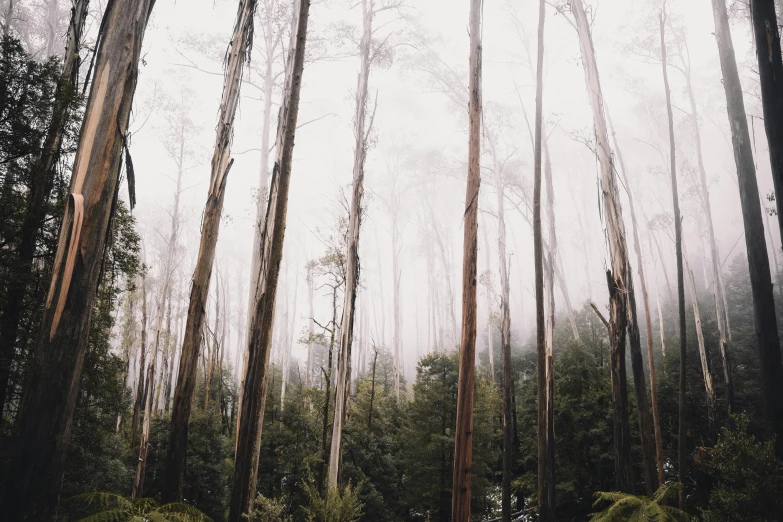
(624, 507)
(109, 507)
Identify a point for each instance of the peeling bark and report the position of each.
(210, 228)
(49, 400)
(254, 395)
(463, 432)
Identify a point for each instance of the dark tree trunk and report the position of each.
(254, 397)
(546, 507)
(44, 174)
(463, 432)
(682, 429)
(137, 404)
(210, 228)
(758, 259)
(49, 400)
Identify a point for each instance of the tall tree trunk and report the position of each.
(142, 356)
(505, 333)
(208, 376)
(490, 347)
(682, 429)
(254, 395)
(463, 433)
(144, 445)
(617, 277)
(396, 276)
(361, 131)
(721, 311)
(168, 363)
(767, 36)
(546, 500)
(640, 386)
(44, 174)
(210, 228)
(49, 400)
(289, 341)
(310, 323)
(758, 260)
(705, 370)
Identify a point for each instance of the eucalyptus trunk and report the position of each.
(46, 411)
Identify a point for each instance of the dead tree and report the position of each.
(463, 432)
(254, 395)
(49, 400)
(237, 54)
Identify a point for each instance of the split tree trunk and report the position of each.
(618, 276)
(210, 228)
(49, 400)
(254, 395)
(361, 131)
(640, 386)
(463, 432)
(546, 499)
(758, 259)
(41, 188)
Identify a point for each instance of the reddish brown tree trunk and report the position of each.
(463, 433)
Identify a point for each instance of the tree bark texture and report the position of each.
(259, 347)
(42, 183)
(49, 400)
(210, 228)
(352, 254)
(758, 259)
(463, 433)
(618, 276)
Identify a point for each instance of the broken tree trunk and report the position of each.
(49, 400)
(617, 276)
(361, 132)
(463, 433)
(254, 395)
(649, 458)
(210, 228)
(137, 404)
(43, 178)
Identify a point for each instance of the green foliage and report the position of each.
(625, 507)
(270, 510)
(340, 504)
(107, 507)
(748, 477)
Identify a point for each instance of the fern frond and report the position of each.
(109, 515)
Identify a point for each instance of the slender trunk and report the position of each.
(142, 356)
(328, 389)
(49, 400)
(42, 183)
(463, 433)
(310, 325)
(168, 363)
(649, 456)
(352, 253)
(505, 332)
(721, 311)
(288, 346)
(215, 346)
(141, 467)
(758, 259)
(546, 501)
(396, 281)
(9, 12)
(254, 394)
(372, 392)
(682, 430)
(490, 347)
(705, 370)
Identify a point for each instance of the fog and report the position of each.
(419, 155)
